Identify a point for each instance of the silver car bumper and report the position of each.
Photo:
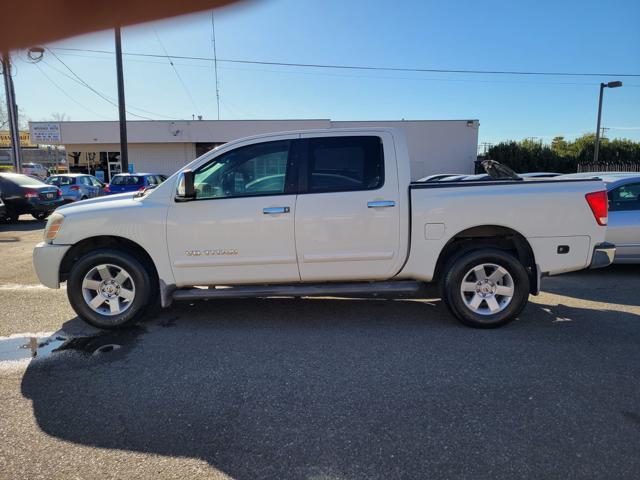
(603, 255)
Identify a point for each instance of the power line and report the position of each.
(184, 85)
(364, 67)
(346, 75)
(85, 84)
(215, 63)
(105, 97)
(64, 92)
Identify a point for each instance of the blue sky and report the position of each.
(571, 36)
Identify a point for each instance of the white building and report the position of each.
(163, 146)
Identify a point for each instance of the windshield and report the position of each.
(60, 181)
(126, 180)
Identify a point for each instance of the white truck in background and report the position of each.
(325, 212)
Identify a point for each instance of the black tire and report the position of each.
(143, 282)
(12, 216)
(460, 267)
(40, 215)
(83, 198)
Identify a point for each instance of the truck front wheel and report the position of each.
(109, 289)
(486, 288)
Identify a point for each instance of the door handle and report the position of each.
(275, 210)
(381, 204)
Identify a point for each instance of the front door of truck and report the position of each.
(240, 227)
(348, 209)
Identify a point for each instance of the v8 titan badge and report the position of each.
(211, 253)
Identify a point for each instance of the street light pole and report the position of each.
(602, 87)
(12, 112)
(124, 153)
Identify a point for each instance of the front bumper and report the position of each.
(46, 260)
(603, 255)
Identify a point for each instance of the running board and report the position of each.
(300, 290)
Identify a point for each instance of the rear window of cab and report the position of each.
(60, 181)
(127, 180)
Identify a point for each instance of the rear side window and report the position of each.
(60, 181)
(625, 197)
(339, 164)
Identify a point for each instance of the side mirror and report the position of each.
(186, 190)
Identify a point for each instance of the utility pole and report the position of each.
(124, 152)
(12, 112)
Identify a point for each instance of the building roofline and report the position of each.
(262, 120)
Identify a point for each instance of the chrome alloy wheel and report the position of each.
(108, 289)
(487, 289)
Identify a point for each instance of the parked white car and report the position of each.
(623, 190)
(327, 212)
(35, 170)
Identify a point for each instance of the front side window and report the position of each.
(95, 182)
(625, 197)
(258, 169)
(338, 164)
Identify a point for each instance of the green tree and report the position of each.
(564, 156)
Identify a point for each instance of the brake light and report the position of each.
(59, 192)
(107, 189)
(75, 187)
(599, 205)
(31, 194)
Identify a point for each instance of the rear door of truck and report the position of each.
(347, 221)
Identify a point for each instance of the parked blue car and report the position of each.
(133, 182)
(77, 186)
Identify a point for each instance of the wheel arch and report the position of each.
(486, 236)
(106, 241)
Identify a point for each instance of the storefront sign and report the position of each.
(45, 133)
(5, 139)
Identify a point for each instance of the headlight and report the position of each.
(54, 224)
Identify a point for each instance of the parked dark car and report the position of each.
(3, 209)
(24, 194)
(78, 186)
(132, 182)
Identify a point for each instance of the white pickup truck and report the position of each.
(321, 213)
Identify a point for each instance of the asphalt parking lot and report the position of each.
(321, 388)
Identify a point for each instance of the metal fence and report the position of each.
(617, 166)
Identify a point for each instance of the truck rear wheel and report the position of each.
(109, 289)
(486, 288)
